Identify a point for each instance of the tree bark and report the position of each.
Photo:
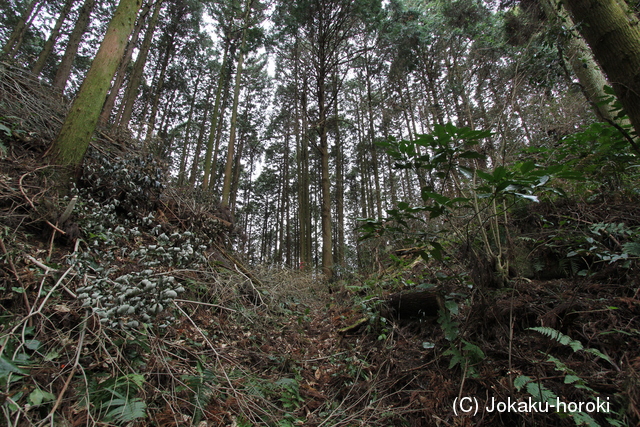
(187, 132)
(159, 85)
(372, 136)
(122, 69)
(131, 93)
(201, 133)
(72, 142)
(581, 61)
(340, 241)
(223, 77)
(228, 173)
(51, 41)
(614, 37)
(17, 33)
(301, 129)
(325, 184)
(70, 53)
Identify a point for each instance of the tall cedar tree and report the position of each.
(226, 186)
(53, 37)
(18, 32)
(72, 142)
(70, 53)
(614, 37)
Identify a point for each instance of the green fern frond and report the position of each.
(567, 340)
(126, 410)
(521, 381)
(559, 337)
(541, 393)
(584, 419)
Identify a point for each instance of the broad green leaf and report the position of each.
(32, 344)
(504, 185)
(452, 130)
(424, 140)
(52, 355)
(443, 200)
(436, 252)
(6, 368)
(553, 169)
(527, 166)
(452, 306)
(38, 397)
(471, 155)
(499, 173)
(484, 175)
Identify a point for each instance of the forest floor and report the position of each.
(131, 311)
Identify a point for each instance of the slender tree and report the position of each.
(223, 79)
(53, 37)
(131, 93)
(226, 187)
(70, 53)
(20, 28)
(327, 25)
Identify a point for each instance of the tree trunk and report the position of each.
(201, 133)
(51, 41)
(581, 60)
(213, 173)
(304, 182)
(325, 184)
(131, 93)
(14, 40)
(223, 78)
(228, 173)
(237, 168)
(372, 144)
(340, 241)
(122, 69)
(159, 85)
(285, 250)
(70, 53)
(72, 142)
(187, 132)
(614, 37)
